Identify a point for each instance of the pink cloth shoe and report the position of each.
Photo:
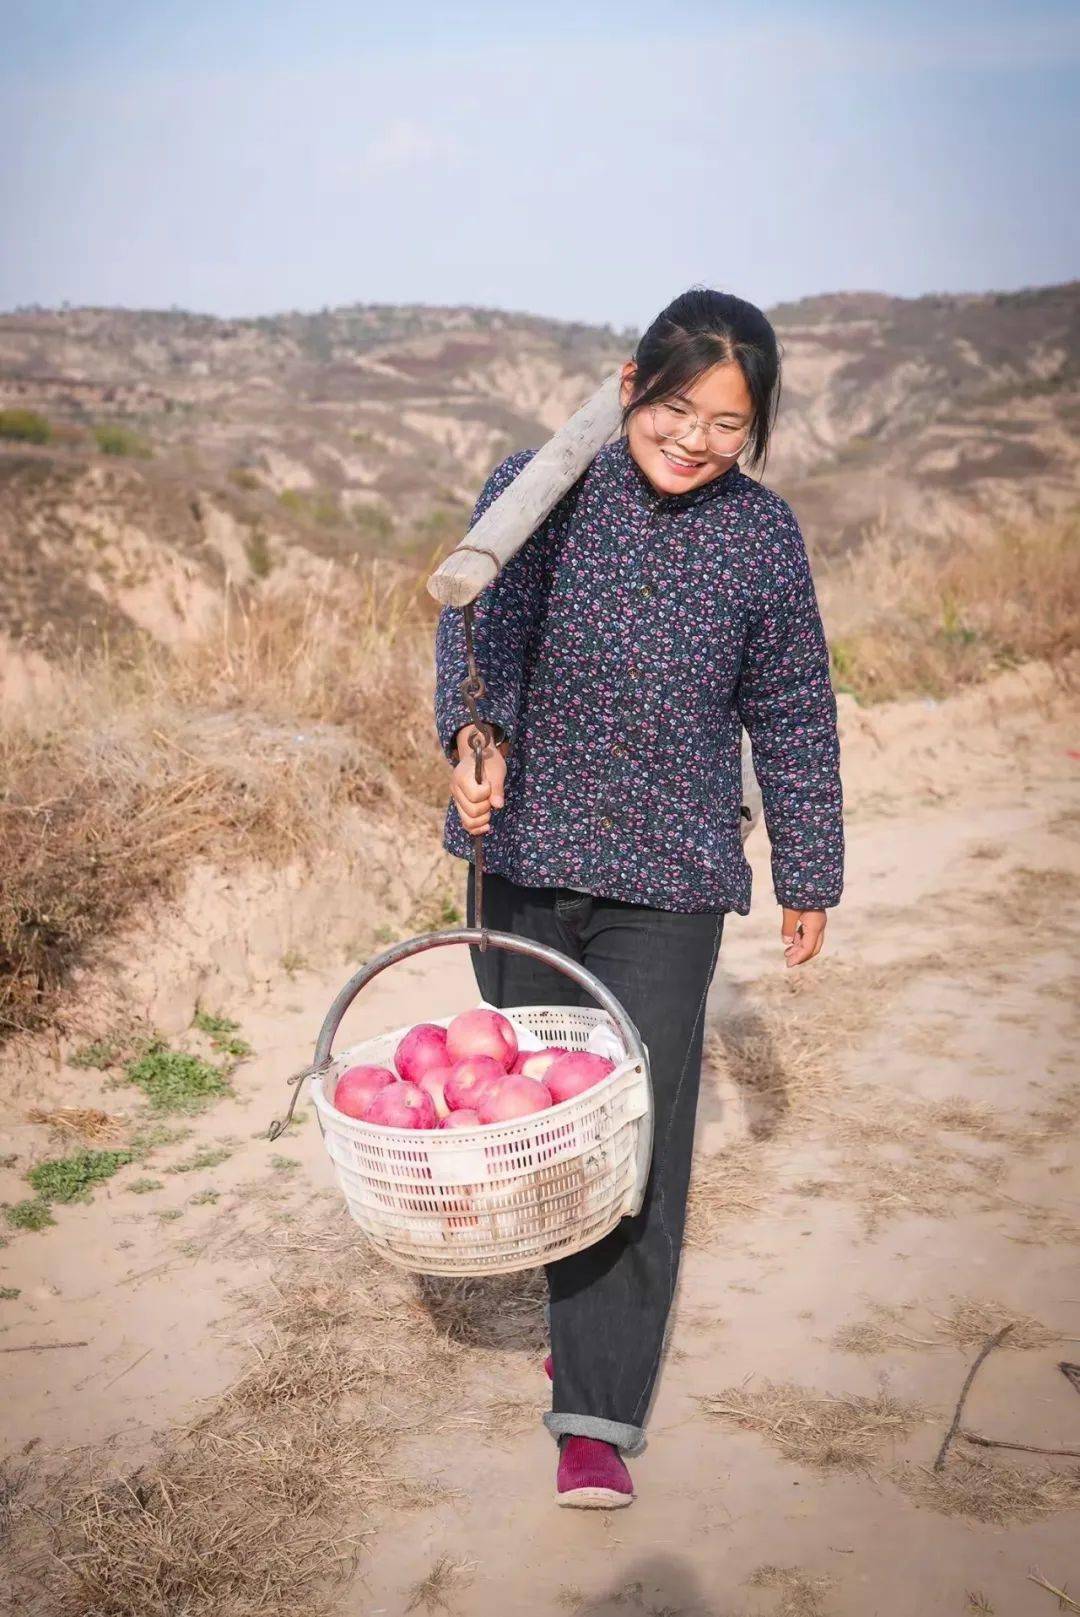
(592, 1474)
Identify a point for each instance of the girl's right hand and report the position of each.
(476, 799)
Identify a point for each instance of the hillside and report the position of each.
(184, 448)
(223, 1404)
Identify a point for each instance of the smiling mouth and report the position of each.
(681, 461)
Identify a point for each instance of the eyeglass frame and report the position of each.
(696, 422)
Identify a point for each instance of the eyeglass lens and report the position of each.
(673, 422)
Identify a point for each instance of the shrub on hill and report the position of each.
(24, 427)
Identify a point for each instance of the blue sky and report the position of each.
(587, 162)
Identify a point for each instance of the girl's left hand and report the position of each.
(803, 933)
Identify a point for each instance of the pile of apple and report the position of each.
(464, 1076)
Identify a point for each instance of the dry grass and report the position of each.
(261, 1505)
(958, 1115)
(1060, 1117)
(728, 1184)
(845, 1432)
(879, 1333)
(887, 1152)
(502, 1312)
(892, 1158)
(434, 1593)
(264, 1501)
(986, 1490)
(1027, 901)
(967, 1325)
(850, 1433)
(800, 1595)
(930, 1180)
(249, 745)
(784, 1051)
(971, 1321)
(891, 1155)
(910, 618)
(79, 1122)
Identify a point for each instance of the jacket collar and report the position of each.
(618, 462)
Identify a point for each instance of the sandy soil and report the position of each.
(887, 1143)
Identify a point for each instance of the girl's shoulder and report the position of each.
(503, 475)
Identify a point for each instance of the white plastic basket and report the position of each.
(503, 1196)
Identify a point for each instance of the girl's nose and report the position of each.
(689, 433)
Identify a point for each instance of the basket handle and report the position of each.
(435, 940)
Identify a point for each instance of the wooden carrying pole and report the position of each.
(536, 490)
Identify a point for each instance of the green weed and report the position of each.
(68, 1179)
(28, 1215)
(158, 1134)
(99, 1054)
(142, 1187)
(8, 1294)
(284, 1164)
(222, 1034)
(207, 1156)
(174, 1081)
(204, 1198)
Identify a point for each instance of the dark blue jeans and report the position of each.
(609, 1304)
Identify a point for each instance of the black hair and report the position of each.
(701, 329)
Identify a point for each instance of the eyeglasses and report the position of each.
(675, 421)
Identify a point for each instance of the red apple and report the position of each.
(535, 1063)
(515, 1096)
(468, 1080)
(402, 1106)
(357, 1087)
(569, 1075)
(465, 1119)
(434, 1083)
(421, 1049)
(481, 1033)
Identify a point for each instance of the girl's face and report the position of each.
(720, 396)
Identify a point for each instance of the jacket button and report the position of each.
(606, 823)
(646, 589)
(617, 751)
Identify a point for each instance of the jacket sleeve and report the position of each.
(504, 613)
(785, 700)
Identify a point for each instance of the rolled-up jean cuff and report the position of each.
(627, 1439)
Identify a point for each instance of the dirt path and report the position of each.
(887, 1173)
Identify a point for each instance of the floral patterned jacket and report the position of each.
(624, 648)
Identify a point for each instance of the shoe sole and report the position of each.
(594, 1499)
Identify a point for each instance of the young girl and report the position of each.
(665, 604)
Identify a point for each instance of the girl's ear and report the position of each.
(626, 387)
